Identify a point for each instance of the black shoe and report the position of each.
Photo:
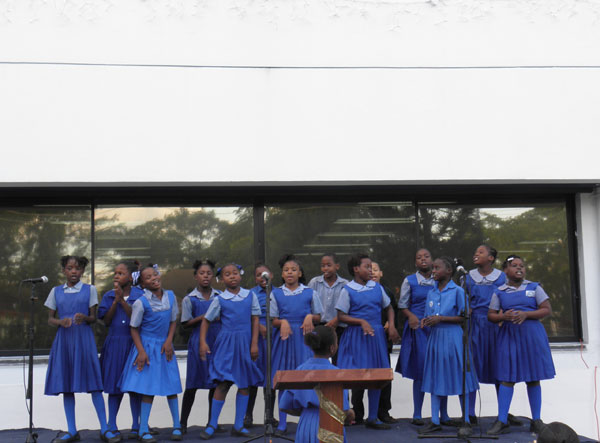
(280, 432)
(183, 428)
(473, 419)
(154, 431)
(430, 428)
(514, 421)
(454, 423)
(536, 426)
(114, 439)
(241, 433)
(358, 422)
(248, 422)
(377, 424)
(71, 438)
(498, 428)
(389, 419)
(205, 435)
(147, 440)
(417, 422)
(177, 436)
(220, 429)
(465, 431)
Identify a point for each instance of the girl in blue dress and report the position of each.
(363, 344)
(261, 293)
(193, 308)
(304, 402)
(295, 309)
(235, 349)
(151, 368)
(523, 351)
(414, 338)
(115, 311)
(73, 365)
(443, 369)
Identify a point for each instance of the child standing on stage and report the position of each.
(235, 349)
(260, 290)
(73, 365)
(523, 351)
(295, 310)
(443, 369)
(305, 403)
(363, 344)
(151, 368)
(193, 308)
(328, 287)
(115, 311)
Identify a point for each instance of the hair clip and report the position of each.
(155, 266)
(135, 275)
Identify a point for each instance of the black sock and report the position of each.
(252, 390)
(186, 405)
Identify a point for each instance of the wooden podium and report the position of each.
(330, 385)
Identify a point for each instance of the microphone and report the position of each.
(459, 266)
(265, 275)
(42, 279)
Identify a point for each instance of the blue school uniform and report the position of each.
(292, 306)
(261, 361)
(118, 342)
(73, 365)
(357, 350)
(231, 357)
(523, 350)
(413, 294)
(484, 333)
(192, 306)
(307, 400)
(442, 373)
(153, 317)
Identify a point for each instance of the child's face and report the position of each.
(231, 277)
(364, 270)
(440, 270)
(150, 279)
(515, 270)
(122, 276)
(203, 276)
(376, 272)
(258, 276)
(73, 272)
(423, 260)
(329, 268)
(291, 273)
(482, 257)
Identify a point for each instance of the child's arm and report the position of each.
(254, 344)
(119, 300)
(285, 330)
(543, 310)
(167, 347)
(80, 318)
(142, 358)
(204, 349)
(392, 331)
(308, 325)
(413, 320)
(435, 319)
(366, 327)
(53, 321)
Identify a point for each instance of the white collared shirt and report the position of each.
(186, 304)
(51, 300)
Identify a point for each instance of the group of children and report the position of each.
(227, 342)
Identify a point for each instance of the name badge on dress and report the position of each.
(530, 293)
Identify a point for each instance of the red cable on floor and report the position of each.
(581, 353)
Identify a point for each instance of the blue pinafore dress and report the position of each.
(523, 350)
(160, 377)
(231, 359)
(414, 341)
(198, 376)
(357, 350)
(307, 400)
(442, 373)
(261, 362)
(73, 365)
(484, 333)
(290, 353)
(118, 342)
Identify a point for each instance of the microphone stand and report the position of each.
(31, 436)
(464, 432)
(268, 433)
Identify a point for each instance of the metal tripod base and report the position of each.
(31, 438)
(269, 435)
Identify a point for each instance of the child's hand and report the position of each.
(393, 334)
(386, 326)
(118, 293)
(307, 325)
(79, 318)
(262, 330)
(167, 349)
(367, 329)
(66, 322)
(333, 323)
(204, 349)
(519, 317)
(285, 330)
(141, 361)
(350, 416)
(431, 321)
(254, 352)
(413, 322)
(508, 315)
